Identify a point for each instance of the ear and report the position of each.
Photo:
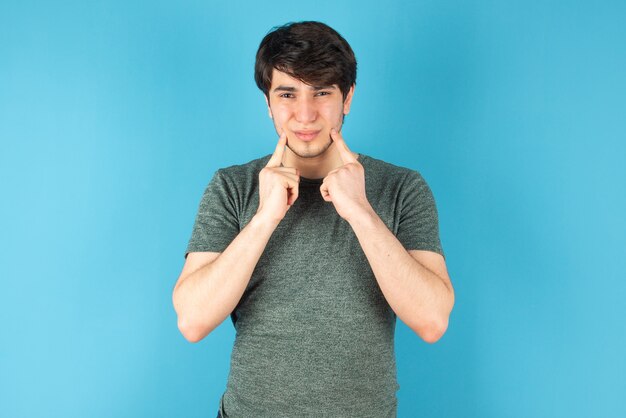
(348, 101)
(269, 109)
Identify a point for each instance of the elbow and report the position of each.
(433, 331)
(192, 333)
(188, 328)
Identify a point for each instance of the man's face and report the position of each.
(306, 112)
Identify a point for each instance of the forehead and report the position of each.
(280, 78)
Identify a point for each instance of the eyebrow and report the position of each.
(292, 89)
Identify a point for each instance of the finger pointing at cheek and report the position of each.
(344, 151)
(277, 157)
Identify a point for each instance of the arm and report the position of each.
(205, 297)
(421, 298)
(211, 284)
(416, 285)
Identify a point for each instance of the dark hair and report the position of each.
(312, 52)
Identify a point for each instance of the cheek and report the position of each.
(332, 112)
(282, 112)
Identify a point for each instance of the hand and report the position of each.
(278, 186)
(345, 185)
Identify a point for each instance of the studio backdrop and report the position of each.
(115, 115)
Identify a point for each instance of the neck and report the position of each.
(314, 167)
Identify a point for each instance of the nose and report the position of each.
(305, 110)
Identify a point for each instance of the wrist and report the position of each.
(365, 216)
(262, 222)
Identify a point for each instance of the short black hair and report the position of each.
(310, 51)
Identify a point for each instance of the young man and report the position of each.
(313, 250)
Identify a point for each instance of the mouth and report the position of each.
(307, 135)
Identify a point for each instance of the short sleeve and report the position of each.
(418, 227)
(216, 224)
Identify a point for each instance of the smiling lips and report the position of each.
(307, 135)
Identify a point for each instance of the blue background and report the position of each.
(114, 115)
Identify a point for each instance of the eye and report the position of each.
(284, 95)
(325, 93)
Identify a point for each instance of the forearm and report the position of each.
(207, 296)
(418, 296)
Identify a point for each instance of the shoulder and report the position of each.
(240, 173)
(378, 170)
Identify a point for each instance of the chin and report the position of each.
(310, 151)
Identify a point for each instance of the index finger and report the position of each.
(277, 157)
(344, 151)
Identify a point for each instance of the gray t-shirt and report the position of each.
(314, 333)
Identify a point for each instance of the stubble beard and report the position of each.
(312, 153)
